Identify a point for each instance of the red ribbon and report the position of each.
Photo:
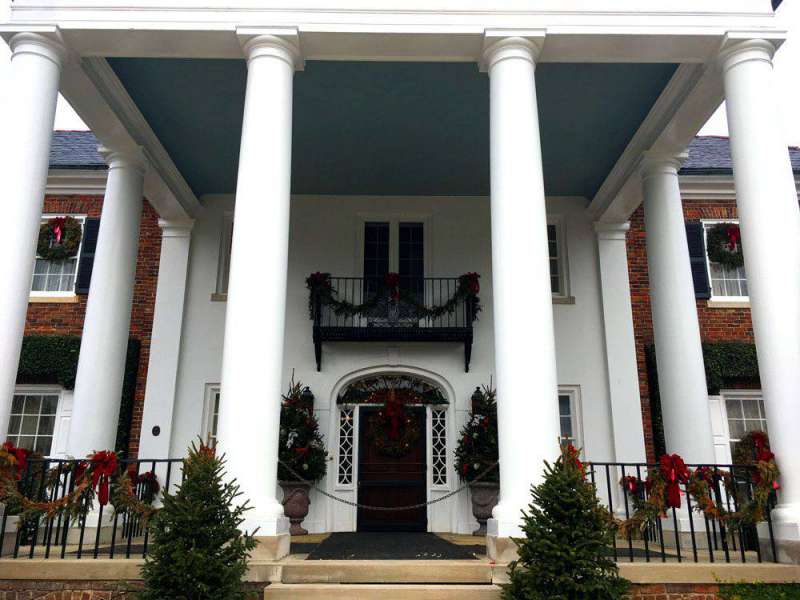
(20, 455)
(395, 413)
(471, 280)
(103, 466)
(674, 471)
(392, 281)
(58, 228)
(734, 235)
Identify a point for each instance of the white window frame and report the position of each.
(722, 433)
(394, 220)
(211, 390)
(576, 412)
(58, 447)
(224, 261)
(64, 294)
(706, 223)
(562, 258)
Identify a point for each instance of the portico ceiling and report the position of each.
(393, 128)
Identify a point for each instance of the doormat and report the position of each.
(392, 546)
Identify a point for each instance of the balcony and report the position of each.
(393, 309)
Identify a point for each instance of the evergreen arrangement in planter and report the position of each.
(476, 455)
(564, 555)
(198, 550)
(302, 456)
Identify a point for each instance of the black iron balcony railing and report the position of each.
(363, 309)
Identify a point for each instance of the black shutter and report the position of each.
(86, 261)
(697, 259)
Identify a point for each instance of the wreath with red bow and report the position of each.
(724, 242)
(392, 430)
(59, 238)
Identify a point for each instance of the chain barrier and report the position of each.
(300, 479)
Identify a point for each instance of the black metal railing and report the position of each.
(685, 534)
(394, 317)
(92, 530)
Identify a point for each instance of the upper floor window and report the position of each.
(58, 276)
(569, 415)
(211, 414)
(726, 280)
(558, 262)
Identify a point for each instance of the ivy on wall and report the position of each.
(759, 591)
(53, 360)
(727, 363)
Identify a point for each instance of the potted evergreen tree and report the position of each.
(302, 457)
(198, 549)
(565, 552)
(476, 455)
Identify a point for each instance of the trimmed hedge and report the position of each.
(53, 360)
(726, 363)
(760, 591)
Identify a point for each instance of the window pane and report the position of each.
(33, 404)
(734, 409)
(26, 441)
(49, 405)
(564, 405)
(566, 427)
(727, 281)
(17, 404)
(46, 425)
(13, 424)
(736, 428)
(29, 424)
(43, 444)
(751, 409)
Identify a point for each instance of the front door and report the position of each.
(392, 480)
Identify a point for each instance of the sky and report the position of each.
(787, 71)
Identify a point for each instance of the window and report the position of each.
(569, 416)
(346, 445)
(224, 264)
(726, 282)
(211, 413)
(33, 421)
(439, 446)
(558, 258)
(745, 413)
(56, 277)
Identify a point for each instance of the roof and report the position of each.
(711, 155)
(75, 150)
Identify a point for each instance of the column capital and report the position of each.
(611, 231)
(738, 49)
(499, 44)
(131, 158)
(40, 45)
(176, 228)
(661, 163)
(276, 42)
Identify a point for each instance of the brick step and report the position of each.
(380, 591)
(390, 571)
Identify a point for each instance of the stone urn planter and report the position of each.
(295, 504)
(484, 499)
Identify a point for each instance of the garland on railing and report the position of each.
(321, 293)
(653, 497)
(100, 476)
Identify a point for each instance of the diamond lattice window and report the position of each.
(346, 430)
(439, 445)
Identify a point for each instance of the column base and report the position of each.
(271, 547)
(95, 524)
(499, 548)
(786, 530)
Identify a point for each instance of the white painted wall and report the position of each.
(324, 237)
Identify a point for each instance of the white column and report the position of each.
(165, 340)
(766, 199)
(523, 306)
(101, 364)
(252, 358)
(620, 343)
(679, 354)
(32, 78)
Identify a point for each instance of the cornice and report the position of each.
(88, 182)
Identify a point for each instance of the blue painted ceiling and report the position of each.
(393, 128)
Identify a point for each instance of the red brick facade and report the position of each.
(59, 318)
(716, 324)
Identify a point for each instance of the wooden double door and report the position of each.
(389, 481)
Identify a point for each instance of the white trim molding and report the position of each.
(83, 182)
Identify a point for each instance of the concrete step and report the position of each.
(388, 571)
(379, 591)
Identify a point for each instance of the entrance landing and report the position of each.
(388, 546)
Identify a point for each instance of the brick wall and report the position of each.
(675, 591)
(52, 318)
(716, 324)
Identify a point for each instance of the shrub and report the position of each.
(760, 591)
(477, 442)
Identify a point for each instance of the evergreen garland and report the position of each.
(198, 551)
(568, 533)
(476, 451)
(302, 450)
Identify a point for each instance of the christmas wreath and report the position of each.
(392, 431)
(59, 238)
(724, 243)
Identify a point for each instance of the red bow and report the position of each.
(103, 466)
(734, 235)
(58, 228)
(674, 471)
(318, 279)
(573, 457)
(472, 283)
(20, 455)
(301, 451)
(392, 281)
